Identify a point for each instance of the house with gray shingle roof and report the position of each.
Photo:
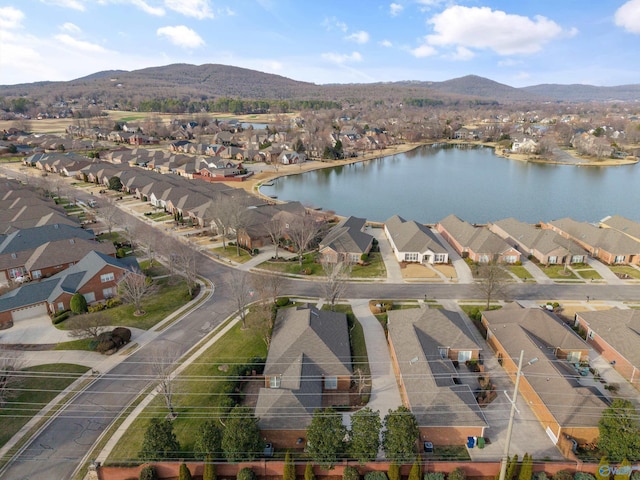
(308, 367)
(95, 276)
(428, 346)
(550, 384)
(346, 241)
(623, 225)
(413, 242)
(546, 246)
(606, 244)
(615, 334)
(476, 243)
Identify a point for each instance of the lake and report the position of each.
(431, 182)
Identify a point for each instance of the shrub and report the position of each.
(185, 473)
(246, 474)
(123, 333)
(61, 317)
(563, 475)
(78, 303)
(209, 472)
(635, 475)
(256, 251)
(289, 472)
(104, 347)
(416, 471)
(96, 308)
(282, 301)
(113, 302)
(540, 476)
(394, 471)
(375, 476)
(588, 476)
(457, 474)
(308, 472)
(148, 473)
(433, 476)
(364, 257)
(350, 473)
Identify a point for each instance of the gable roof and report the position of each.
(624, 225)
(30, 238)
(307, 344)
(347, 237)
(538, 333)
(410, 236)
(477, 239)
(433, 396)
(532, 238)
(608, 239)
(620, 328)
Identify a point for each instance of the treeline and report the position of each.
(232, 105)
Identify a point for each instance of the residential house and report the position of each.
(18, 248)
(308, 367)
(615, 334)
(346, 241)
(427, 347)
(524, 145)
(550, 381)
(95, 276)
(412, 242)
(256, 232)
(546, 246)
(623, 225)
(479, 244)
(291, 158)
(606, 244)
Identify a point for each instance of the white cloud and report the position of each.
(628, 16)
(386, 43)
(70, 27)
(146, 8)
(79, 45)
(509, 62)
(72, 4)
(423, 50)
(199, 9)
(10, 17)
(395, 9)
(462, 53)
(181, 36)
(483, 28)
(360, 37)
(332, 23)
(341, 58)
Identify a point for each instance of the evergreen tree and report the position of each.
(416, 471)
(526, 470)
(308, 472)
(394, 471)
(365, 435)
(209, 472)
(399, 438)
(241, 439)
(325, 436)
(620, 431)
(78, 303)
(289, 472)
(209, 440)
(185, 473)
(159, 441)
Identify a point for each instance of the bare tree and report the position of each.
(336, 278)
(491, 280)
(87, 326)
(267, 289)
(240, 293)
(275, 228)
(163, 364)
(186, 261)
(134, 288)
(10, 376)
(110, 214)
(147, 236)
(302, 232)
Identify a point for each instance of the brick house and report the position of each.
(96, 277)
(476, 243)
(427, 346)
(346, 241)
(413, 242)
(549, 383)
(308, 367)
(614, 334)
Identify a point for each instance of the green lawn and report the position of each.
(519, 271)
(173, 294)
(157, 269)
(38, 389)
(588, 274)
(292, 266)
(158, 215)
(111, 237)
(626, 270)
(201, 390)
(232, 254)
(81, 344)
(558, 271)
(375, 269)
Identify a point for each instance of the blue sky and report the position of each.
(517, 42)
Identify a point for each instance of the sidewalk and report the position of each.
(535, 271)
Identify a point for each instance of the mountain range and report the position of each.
(202, 82)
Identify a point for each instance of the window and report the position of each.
(274, 381)
(510, 259)
(60, 306)
(89, 297)
(107, 277)
(331, 383)
(573, 357)
(619, 259)
(36, 274)
(483, 259)
(553, 260)
(16, 272)
(410, 257)
(464, 355)
(577, 259)
(107, 292)
(443, 351)
(441, 257)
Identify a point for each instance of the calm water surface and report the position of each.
(429, 183)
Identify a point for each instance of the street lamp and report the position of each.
(505, 455)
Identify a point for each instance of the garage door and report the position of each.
(29, 312)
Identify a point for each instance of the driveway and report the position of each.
(462, 269)
(36, 330)
(394, 274)
(604, 272)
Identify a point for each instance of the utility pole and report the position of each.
(505, 455)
